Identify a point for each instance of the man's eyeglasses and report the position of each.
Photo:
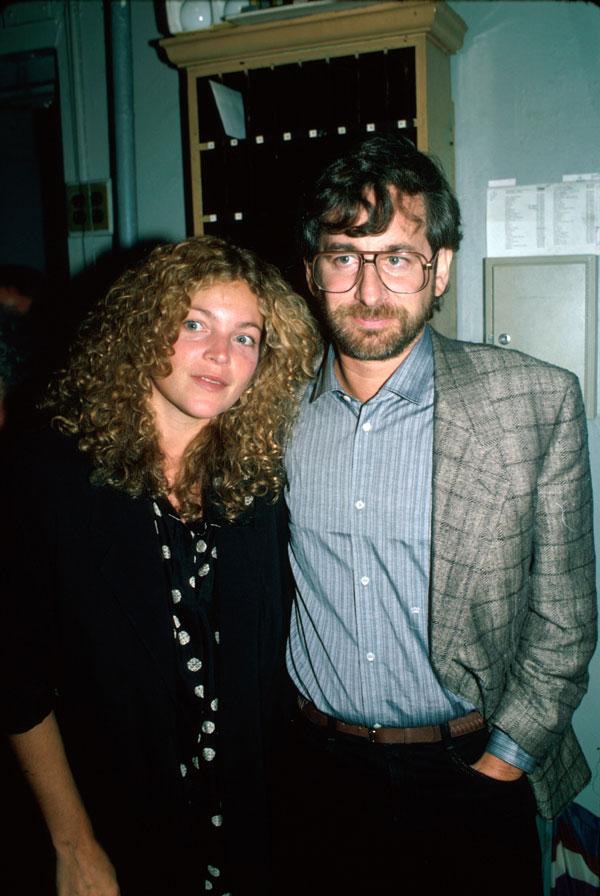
(401, 272)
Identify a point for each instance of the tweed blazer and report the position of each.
(513, 604)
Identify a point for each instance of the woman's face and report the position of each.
(216, 354)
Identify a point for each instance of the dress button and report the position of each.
(367, 427)
(370, 657)
(365, 580)
(359, 505)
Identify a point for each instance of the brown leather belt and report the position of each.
(426, 734)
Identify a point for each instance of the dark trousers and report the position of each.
(359, 818)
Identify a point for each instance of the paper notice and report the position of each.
(544, 219)
(230, 104)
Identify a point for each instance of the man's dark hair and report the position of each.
(375, 165)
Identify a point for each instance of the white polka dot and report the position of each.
(208, 727)
(213, 553)
(183, 770)
(208, 753)
(201, 546)
(214, 705)
(214, 871)
(165, 551)
(176, 595)
(193, 581)
(248, 500)
(176, 621)
(217, 820)
(195, 762)
(184, 638)
(204, 569)
(156, 527)
(217, 637)
(156, 508)
(199, 690)
(194, 665)
(207, 885)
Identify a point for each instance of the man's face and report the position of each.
(370, 322)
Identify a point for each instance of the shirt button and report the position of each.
(364, 580)
(359, 505)
(367, 427)
(370, 657)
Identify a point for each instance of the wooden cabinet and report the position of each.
(311, 84)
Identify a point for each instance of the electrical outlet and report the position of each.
(89, 208)
(77, 213)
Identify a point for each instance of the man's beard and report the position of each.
(376, 345)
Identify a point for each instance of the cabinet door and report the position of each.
(299, 117)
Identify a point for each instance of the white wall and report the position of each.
(526, 88)
(160, 184)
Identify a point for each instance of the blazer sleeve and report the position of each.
(548, 676)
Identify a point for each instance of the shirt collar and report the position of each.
(411, 380)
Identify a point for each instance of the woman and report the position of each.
(146, 607)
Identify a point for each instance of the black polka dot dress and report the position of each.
(190, 555)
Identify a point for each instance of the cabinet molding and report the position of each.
(374, 26)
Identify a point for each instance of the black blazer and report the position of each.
(86, 631)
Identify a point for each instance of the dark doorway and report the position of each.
(32, 208)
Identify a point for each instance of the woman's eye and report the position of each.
(193, 326)
(244, 339)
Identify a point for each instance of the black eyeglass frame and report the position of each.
(427, 266)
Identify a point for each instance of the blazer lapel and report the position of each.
(123, 538)
(469, 489)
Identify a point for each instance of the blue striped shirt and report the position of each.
(359, 496)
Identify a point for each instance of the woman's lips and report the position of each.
(212, 383)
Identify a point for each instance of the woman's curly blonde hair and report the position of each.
(102, 397)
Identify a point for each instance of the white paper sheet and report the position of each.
(544, 219)
(230, 104)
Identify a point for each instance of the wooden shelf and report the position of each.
(365, 28)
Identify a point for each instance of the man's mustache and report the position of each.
(369, 312)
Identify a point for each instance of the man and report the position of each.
(441, 543)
